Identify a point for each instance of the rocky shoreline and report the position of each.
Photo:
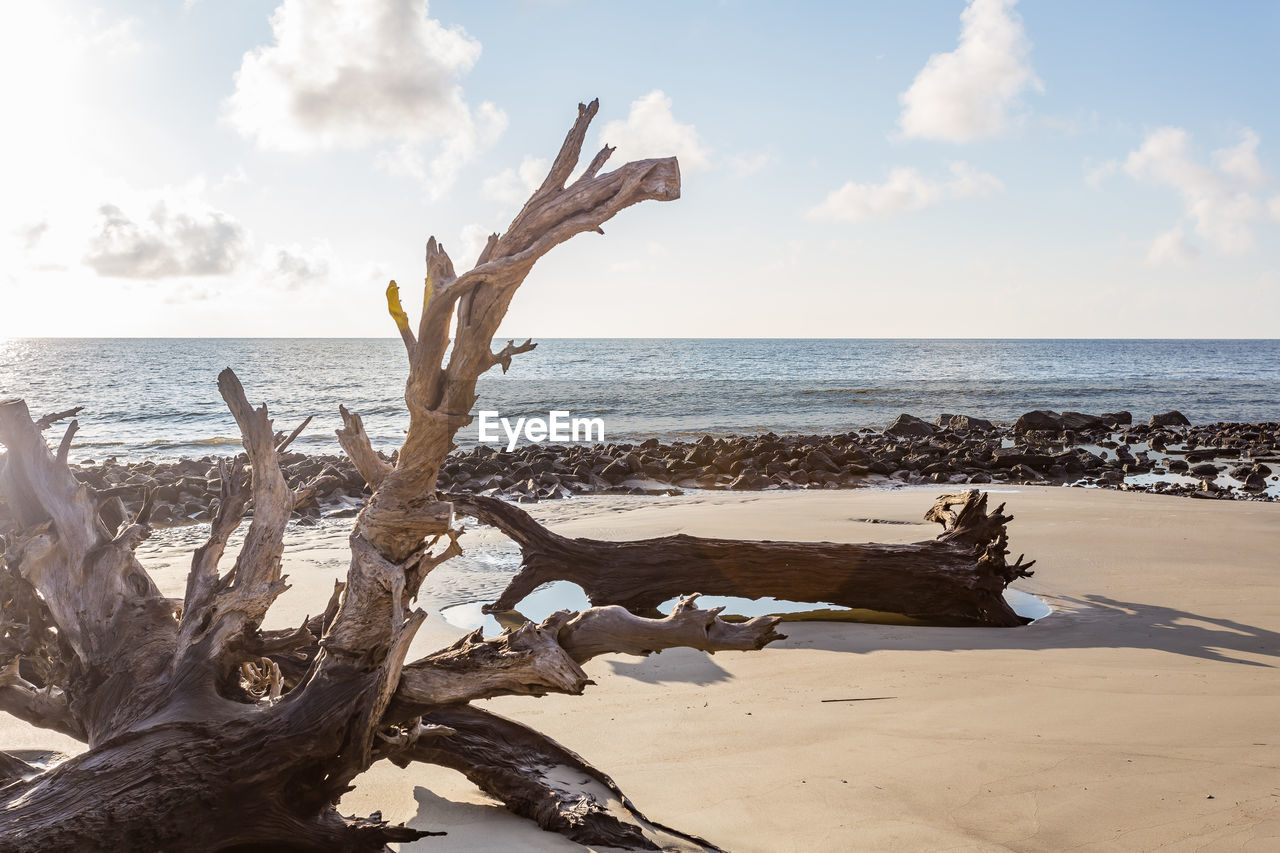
(1166, 456)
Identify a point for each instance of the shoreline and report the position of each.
(1235, 461)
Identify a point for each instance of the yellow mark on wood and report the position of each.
(393, 305)
(427, 289)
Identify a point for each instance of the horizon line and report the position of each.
(535, 338)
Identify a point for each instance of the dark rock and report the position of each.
(1116, 419)
(1168, 419)
(816, 460)
(1049, 421)
(1009, 457)
(1040, 419)
(909, 426)
(1255, 482)
(616, 471)
(965, 422)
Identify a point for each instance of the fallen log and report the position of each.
(956, 579)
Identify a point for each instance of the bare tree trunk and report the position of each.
(956, 579)
(206, 732)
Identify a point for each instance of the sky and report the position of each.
(915, 168)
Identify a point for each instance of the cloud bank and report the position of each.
(650, 130)
(905, 190)
(168, 242)
(514, 186)
(967, 94)
(1221, 201)
(345, 74)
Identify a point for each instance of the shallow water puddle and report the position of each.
(1027, 605)
(563, 595)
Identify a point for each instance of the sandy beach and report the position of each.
(1140, 715)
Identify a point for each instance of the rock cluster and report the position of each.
(1166, 455)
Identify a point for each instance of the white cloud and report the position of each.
(293, 267)
(175, 238)
(116, 39)
(749, 163)
(650, 130)
(471, 243)
(1217, 200)
(1072, 125)
(1241, 161)
(355, 73)
(905, 190)
(1096, 176)
(514, 186)
(29, 234)
(967, 94)
(1172, 247)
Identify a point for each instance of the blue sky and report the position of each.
(904, 169)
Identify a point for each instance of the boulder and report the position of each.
(1168, 419)
(1116, 419)
(1080, 422)
(1024, 473)
(1040, 419)
(909, 426)
(616, 471)
(1049, 421)
(965, 422)
(816, 460)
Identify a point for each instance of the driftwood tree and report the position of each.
(958, 578)
(207, 732)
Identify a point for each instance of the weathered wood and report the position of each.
(956, 579)
(539, 779)
(116, 632)
(206, 732)
(208, 785)
(538, 659)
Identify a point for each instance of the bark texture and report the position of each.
(957, 579)
(206, 732)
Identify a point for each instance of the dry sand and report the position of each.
(1143, 714)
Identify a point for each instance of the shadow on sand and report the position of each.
(1078, 622)
(466, 823)
(686, 666)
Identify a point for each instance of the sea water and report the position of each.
(158, 398)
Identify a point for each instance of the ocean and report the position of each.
(158, 398)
